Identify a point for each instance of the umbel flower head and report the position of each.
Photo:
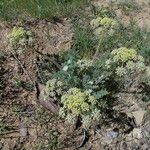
(84, 63)
(17, 34)
(124, 61)
(78, 103)
(19, 38)
(103, 25)
(124, 54)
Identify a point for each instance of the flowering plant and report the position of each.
(103, 25)
(54, 88)
(19, 38)
(77, 103)
(125, 61)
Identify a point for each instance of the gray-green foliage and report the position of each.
(85, 82)
(99, 79)
(54, 88)
(80, 74)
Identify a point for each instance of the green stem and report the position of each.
(98, 46)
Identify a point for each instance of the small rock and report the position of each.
(137, 133)
(23, 129)
(138, 115)
(111, 135)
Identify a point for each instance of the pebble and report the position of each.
(137, 133)
(110, 135)
(138, 115)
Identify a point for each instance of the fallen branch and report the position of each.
(84, 139)
(51, 60)
(48, 104)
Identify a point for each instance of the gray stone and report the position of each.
(23, 129)
(138, 115)
(111, 135)
(137, 133)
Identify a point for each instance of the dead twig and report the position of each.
(9, 132)
(51, 60)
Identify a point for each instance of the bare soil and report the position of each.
(140, 15)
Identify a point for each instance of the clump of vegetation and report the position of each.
(51, 141)
(125, 61)
(90, 86)
(93, 94)
(84, 64)
(87, 94)
(39, 9)
(54, 88)
(103, 25)
(17, 34)
(19, 38)
(80, 104)
(3, 127)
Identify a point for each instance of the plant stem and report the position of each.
(99, 45)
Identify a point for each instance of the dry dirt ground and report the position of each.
(27, 125)
(27, 122)
(137, 10)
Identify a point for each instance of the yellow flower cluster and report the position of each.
(108, 22)
(17, 34)
(77, 101)
(103, 25)
(124, 54)
(124, 61)
(19, 38)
